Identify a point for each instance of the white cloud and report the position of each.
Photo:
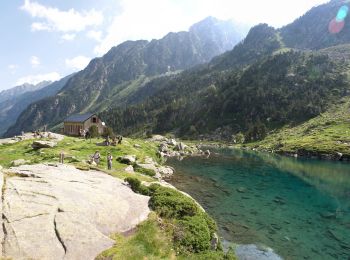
(77, 63)
(154, 18)
(53, 19)
(40, 27)
(13, 68)
(35, 61)
(95, 35)
(68, 36)
(35, 79)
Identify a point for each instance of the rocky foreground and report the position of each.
(60, 212)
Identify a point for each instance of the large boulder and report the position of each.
(127, 159)
(180, 147)
(159, 138)
(172, 142)
(19, 162)
(59, 212)
(163, 147)
(43, 144)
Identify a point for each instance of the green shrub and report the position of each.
(192, 234)
(148, 172)
(93, 131)
(170, 203)
(108, 131)
(136, 186)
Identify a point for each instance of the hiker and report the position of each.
(120, 139)
(109, 161)
(96, 157)
(114, 141)
(107, 141)
(62, 157)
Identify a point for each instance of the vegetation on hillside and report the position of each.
(325, 134)
(286, 88)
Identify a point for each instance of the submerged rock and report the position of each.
(60, 212)
(253, 252)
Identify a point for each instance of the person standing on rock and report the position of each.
(62, 157)
(109, 161)
(96, 157)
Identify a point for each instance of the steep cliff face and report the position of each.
(105, 79)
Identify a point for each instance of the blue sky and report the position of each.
(49, 39)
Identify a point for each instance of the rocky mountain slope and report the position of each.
(109, 80)
(19, 90)
(12, 106)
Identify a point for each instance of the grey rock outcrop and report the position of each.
(127, 159)
(19, 162)
(60, 212)
(43, 144)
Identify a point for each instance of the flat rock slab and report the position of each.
(60, 212)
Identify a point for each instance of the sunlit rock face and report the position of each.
(59, 212)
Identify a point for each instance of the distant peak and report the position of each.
(208, 21)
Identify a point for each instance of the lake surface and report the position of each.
(300, 208)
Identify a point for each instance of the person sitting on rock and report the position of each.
(109, 161)
(96, 157)
(114, 141)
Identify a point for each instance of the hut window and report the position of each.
(94, 120)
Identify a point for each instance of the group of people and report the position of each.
(115, 140)
(84, 133)
(97, 156)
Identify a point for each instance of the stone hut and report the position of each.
(76, 123)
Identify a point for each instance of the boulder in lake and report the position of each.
(253, 252)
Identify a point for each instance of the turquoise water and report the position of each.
(300, 208)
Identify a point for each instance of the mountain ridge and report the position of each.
(126, 63)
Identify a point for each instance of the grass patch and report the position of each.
(144, 171)
(150, 241)
(77, 151)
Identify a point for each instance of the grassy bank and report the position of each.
(326, 134)
(177, 227)
(77, 151)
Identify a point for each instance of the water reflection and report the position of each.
(299, 207)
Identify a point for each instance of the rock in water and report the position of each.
(253, 252)
(43, 144)
(59, 212)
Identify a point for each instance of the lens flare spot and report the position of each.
(342, 13)
(335, 26)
